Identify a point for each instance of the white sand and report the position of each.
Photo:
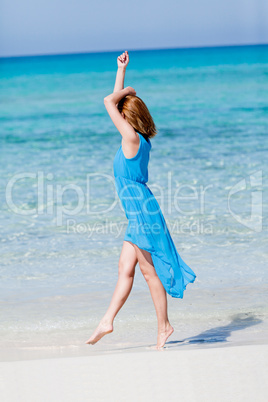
(233, 374)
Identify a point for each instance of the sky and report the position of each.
(36, 27)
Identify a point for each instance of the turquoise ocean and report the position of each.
(62, 225)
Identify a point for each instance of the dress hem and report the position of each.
(174, 295)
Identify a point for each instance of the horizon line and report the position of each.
(131, 50)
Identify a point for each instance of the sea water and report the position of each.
(62, 225)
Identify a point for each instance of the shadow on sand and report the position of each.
(220, 334)
(212, 335)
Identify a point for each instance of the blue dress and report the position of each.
(146, 224)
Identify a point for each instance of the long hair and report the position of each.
(137, 115)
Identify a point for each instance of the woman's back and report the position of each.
(135, 168)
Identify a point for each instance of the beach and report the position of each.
(62, 227)
(232, 373)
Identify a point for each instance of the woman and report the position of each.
(147, 239)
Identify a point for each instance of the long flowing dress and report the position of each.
(146, 224)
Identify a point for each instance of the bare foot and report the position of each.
(102, 329)
(163, 335)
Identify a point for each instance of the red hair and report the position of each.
(137, 115)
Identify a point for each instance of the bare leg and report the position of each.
(126, 271)
(158, 294)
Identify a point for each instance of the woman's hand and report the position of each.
(130, 90)
(123, 60)
(115, 97)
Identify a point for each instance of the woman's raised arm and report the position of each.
(126, 130)
(122, 62)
